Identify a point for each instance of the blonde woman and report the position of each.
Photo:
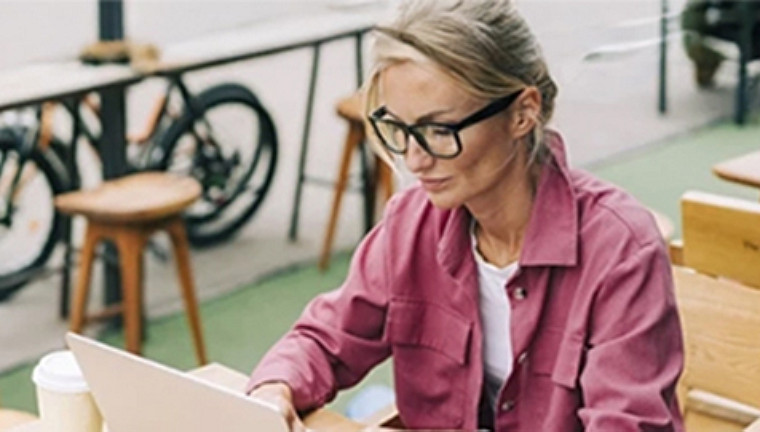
(512, 292)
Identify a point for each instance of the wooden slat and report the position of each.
(675, 251)
(721, 236)
(721, 323)
(754, 427)
(721, 408)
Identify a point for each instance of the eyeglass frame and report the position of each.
(482, 114)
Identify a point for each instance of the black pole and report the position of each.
(747, 13)
(301, 177)
(112, 141)
(111, 19)
(662, 101)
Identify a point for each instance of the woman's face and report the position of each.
(491, 158)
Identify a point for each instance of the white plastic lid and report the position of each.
(59, 372)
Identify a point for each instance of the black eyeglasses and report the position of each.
(440, 140)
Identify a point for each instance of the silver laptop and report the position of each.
(136, 394)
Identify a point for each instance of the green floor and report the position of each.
(239, 327)
(659, 175)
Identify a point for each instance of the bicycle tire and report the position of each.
(211, 229)
(54, 174)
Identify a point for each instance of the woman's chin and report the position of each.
(443, 201)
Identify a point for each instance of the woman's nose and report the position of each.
(416, 158)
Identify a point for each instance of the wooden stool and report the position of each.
(128, 211)
(350, 109)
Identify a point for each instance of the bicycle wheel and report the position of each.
(29, 224)
(229, 143)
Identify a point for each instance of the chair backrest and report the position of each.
(721, 236)
(720, 386)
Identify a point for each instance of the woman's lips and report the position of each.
(434, 184)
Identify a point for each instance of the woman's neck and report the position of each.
(501, 218)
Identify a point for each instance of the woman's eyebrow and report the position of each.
(427, 117)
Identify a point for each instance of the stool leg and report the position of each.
(353, 139)
(181, 248)
(130, 243)
(383, 180)
(79, 302)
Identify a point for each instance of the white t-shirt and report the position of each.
(495, 317)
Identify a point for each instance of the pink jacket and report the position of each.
(594, 326)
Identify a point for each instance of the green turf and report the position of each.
(660, 174)
(239, 327)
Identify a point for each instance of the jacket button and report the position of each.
(507, 405)
(522, 357)
(520, 293)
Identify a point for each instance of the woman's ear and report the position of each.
(527, 112)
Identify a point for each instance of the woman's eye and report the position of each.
(438, 131)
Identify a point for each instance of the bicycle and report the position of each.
(193, 139)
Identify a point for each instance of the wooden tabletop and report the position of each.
(286, 30)
(39, 82)
(318, 421)
(743, 169)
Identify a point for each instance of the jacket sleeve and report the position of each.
(339, 336)
(635, 348)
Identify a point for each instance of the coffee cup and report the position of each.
(63, 396)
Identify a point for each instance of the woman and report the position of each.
(512, 292)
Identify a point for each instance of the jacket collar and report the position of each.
(551, 238)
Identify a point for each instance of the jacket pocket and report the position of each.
(569, 358)
(558, 356)
(421, 324)
(430, 353)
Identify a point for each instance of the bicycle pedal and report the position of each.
(158, 250)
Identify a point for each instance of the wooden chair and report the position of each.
(127, 211)
(350, 109)
(721, 236)
(720, 387)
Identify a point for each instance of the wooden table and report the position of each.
(319, 420)
(39, 82)
(743, 170)
(310, 27)
(67, 82)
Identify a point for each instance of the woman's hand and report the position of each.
(280, 396)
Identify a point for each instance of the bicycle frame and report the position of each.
(24, 147)
(146, 139)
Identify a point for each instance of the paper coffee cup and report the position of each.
(63, 397)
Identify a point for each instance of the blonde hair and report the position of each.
(484, 45)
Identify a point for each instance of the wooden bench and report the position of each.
(719, 302)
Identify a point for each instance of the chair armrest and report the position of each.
(720, 407)
(675, 251)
